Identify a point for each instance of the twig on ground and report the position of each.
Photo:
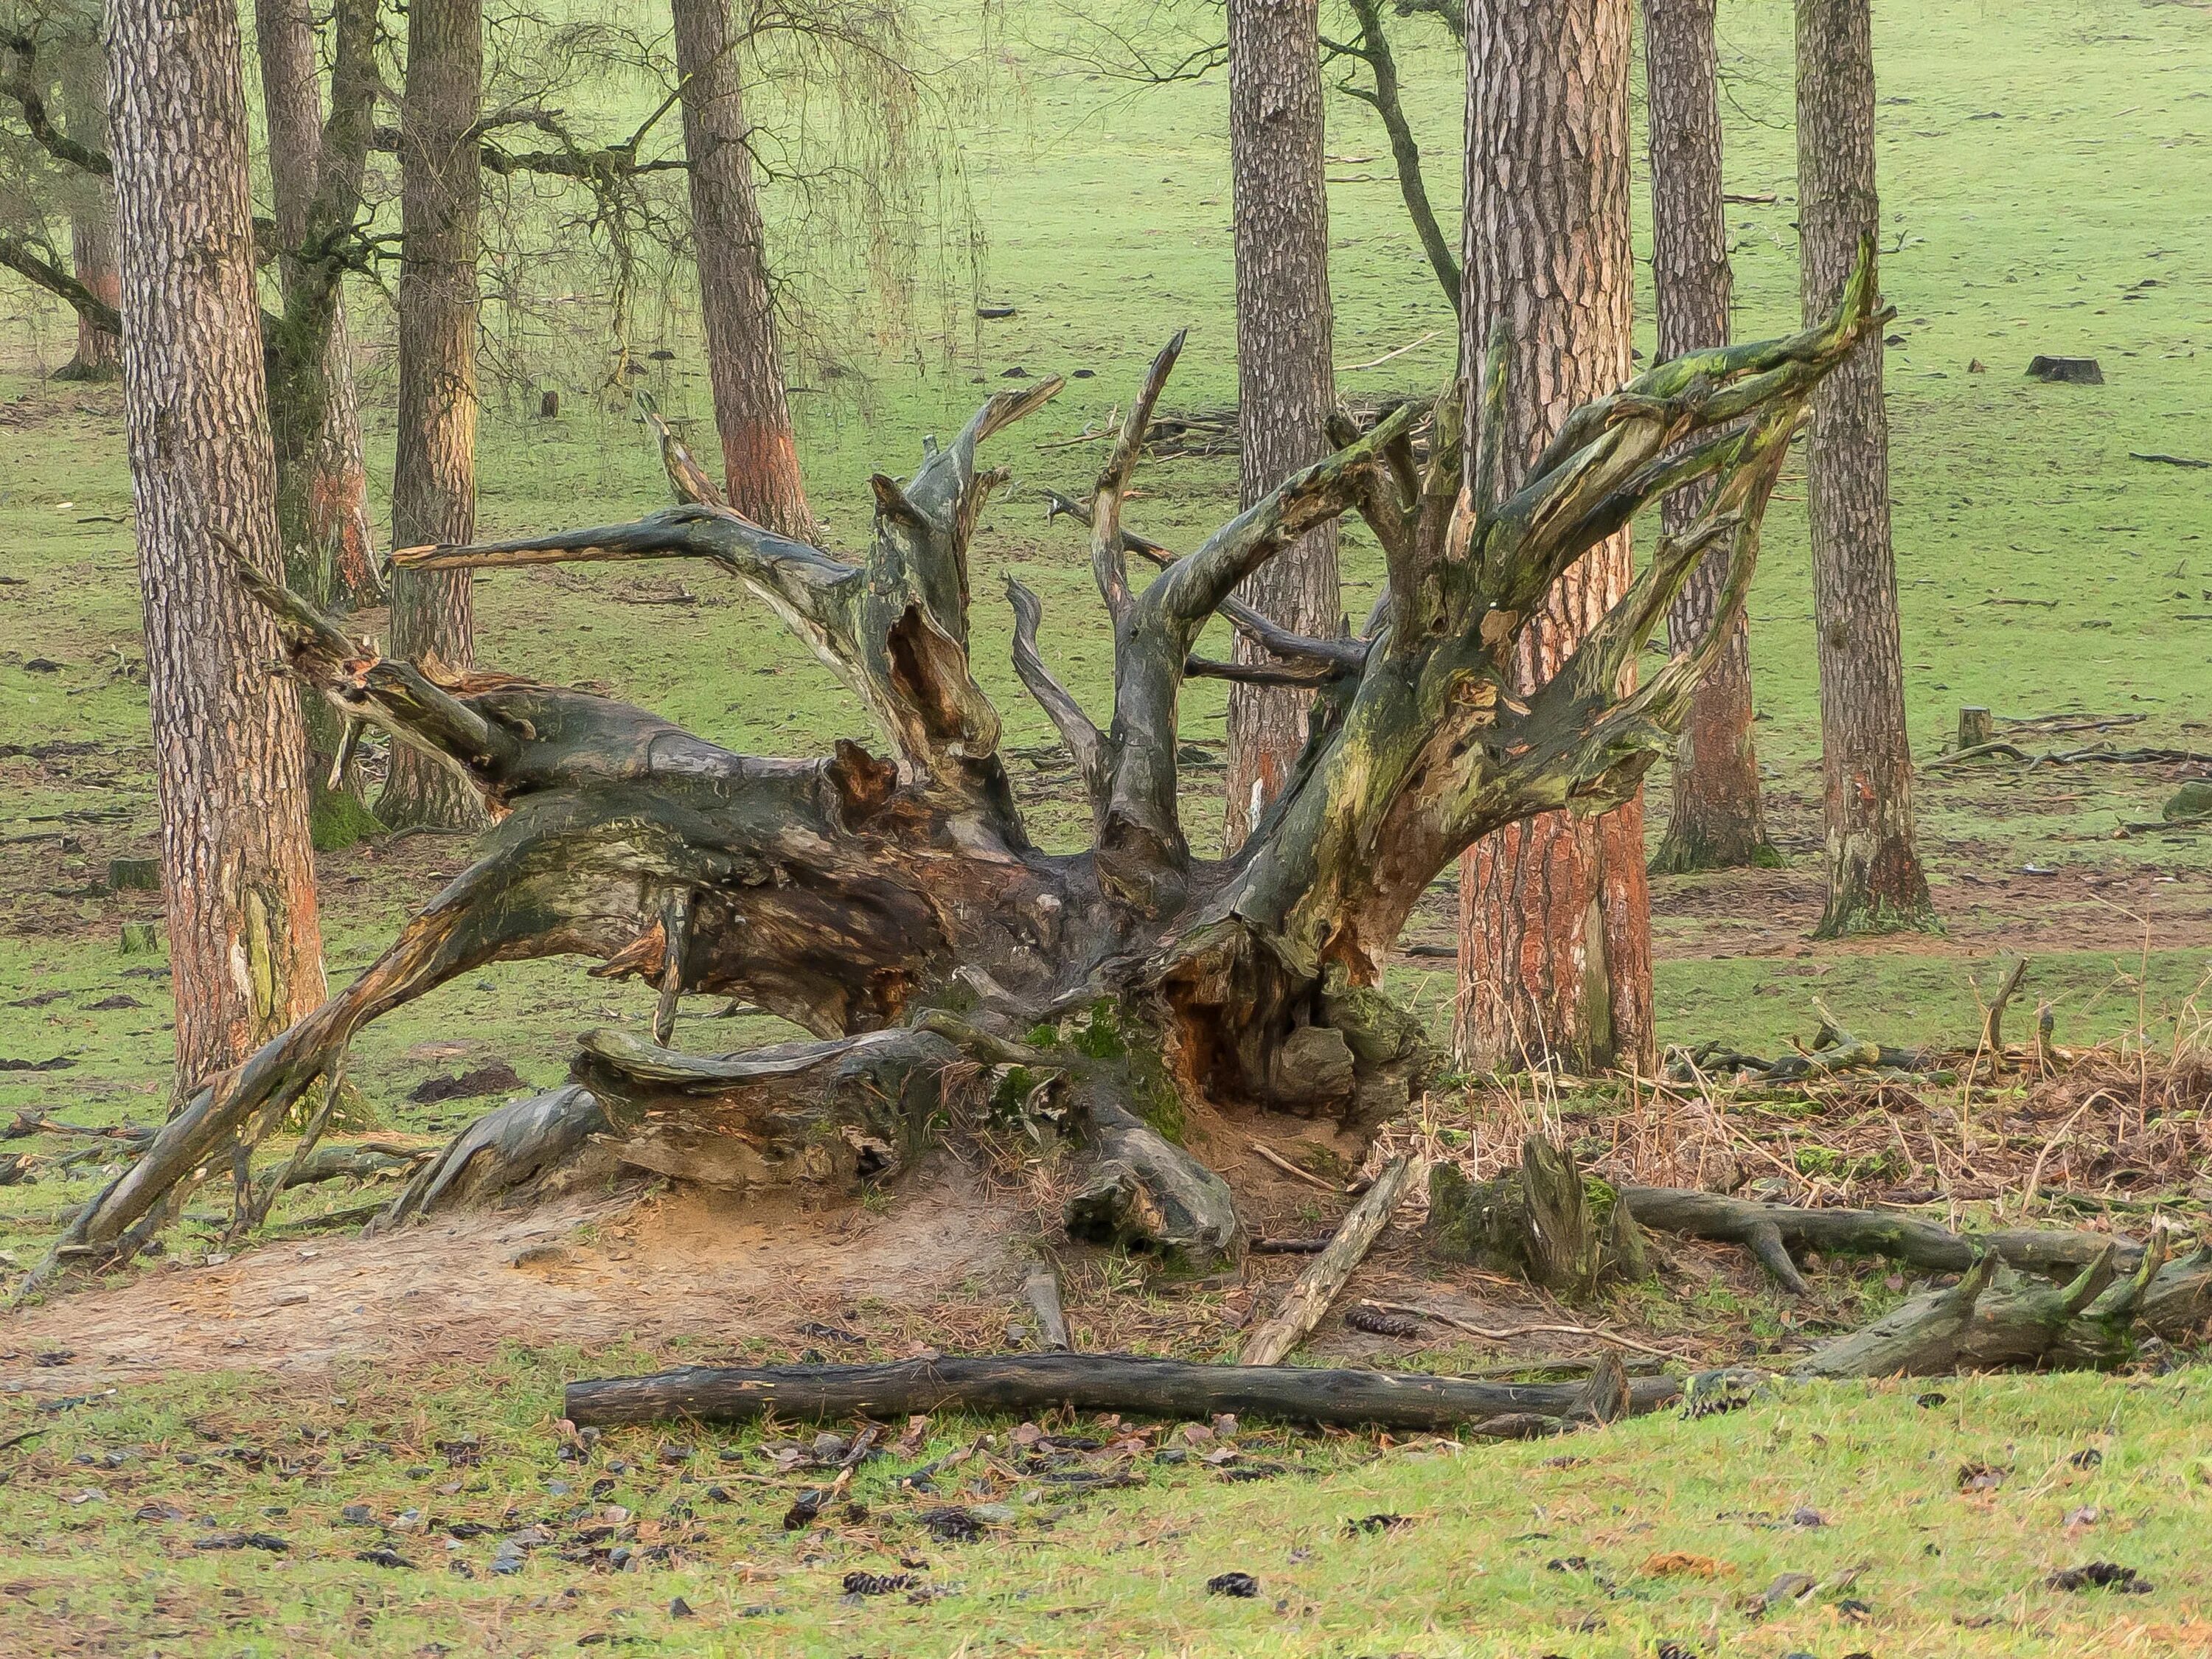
(1292, 1170)
(1511, 1333)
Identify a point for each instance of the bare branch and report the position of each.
(41, 268)
(1075, 727)
(692, 482)
(22, 84)
(1108, 563)
(1607, 462)
(1141, 846)
(1302, 676)
(1583, 744)
(1347, 655)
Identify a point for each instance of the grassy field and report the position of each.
(236, 1519)
(2045, 187)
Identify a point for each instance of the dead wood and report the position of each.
(1040, 1290)
(861, 895)
(1772, 1231)
(1127, 1383)
(1993, 1016)
(1994, 1319)
(2100, 754)
(1544, 1221)
(1309, 1299)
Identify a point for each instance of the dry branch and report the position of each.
(1309, 1299)
(1769, 1231)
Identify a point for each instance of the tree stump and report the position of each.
(1975, 727)
(1545, 1221)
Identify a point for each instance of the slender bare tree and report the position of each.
(1555, 939)
(1285, 383)
(1717, 821)
(99, 354)
(760, 456)
(434, 486)
(246, 954)
(1875, 883)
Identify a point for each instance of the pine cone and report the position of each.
(1376, 1323)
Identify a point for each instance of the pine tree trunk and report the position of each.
(433, 496)
(322, 507)
(760, 457)
(1875, 879)
(1285, 383)
(246, 954)
(1555, 939)
(1716, 822)
(99, 354)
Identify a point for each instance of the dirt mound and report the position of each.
(585, 1272)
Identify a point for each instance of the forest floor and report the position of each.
(219, 1393)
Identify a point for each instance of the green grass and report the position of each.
(1935, 1571)
(2046, 189)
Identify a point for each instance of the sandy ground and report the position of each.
(584, 1272)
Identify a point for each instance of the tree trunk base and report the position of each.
(1689, 855)
(1854, 915)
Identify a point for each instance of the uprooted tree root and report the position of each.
(895, 908)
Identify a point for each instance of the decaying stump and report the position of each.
(1545, 1221)
(893, 905)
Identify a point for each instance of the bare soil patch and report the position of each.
(587, 1272)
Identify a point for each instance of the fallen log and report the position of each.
(1309, 1298)
(1128, 1383)
(1769, 1231)
(1996, 1319)
(366, 1161)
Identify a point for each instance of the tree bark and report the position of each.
(433, 492)
(760, 457)
(322, 507)
(1876, 884)
(1555, 941)
(1285, 381)
(99, 354)
(246, 954)
(1715, 820)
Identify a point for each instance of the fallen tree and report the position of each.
(895, 907)
(1115, 1382)
(1996, 1319)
